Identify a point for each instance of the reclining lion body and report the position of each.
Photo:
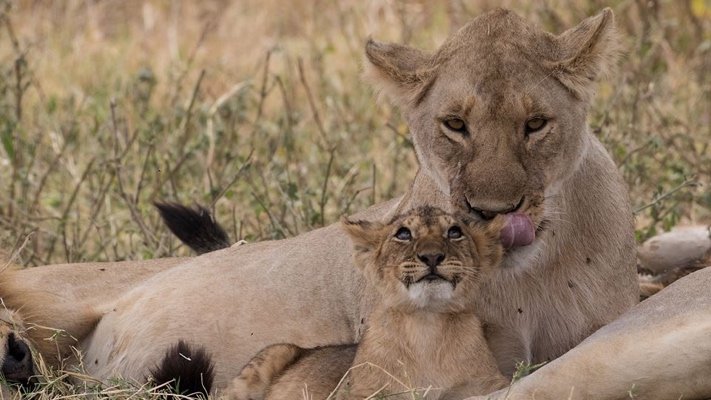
(493, 77)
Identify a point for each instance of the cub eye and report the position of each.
(535, 124)
(403, 234)
(455, 124)
(454, 232)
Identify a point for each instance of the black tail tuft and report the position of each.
(194, 226)
(189, 368)
(17, 367)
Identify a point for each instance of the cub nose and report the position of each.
(431, 260)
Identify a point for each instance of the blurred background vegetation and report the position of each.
(256, 109)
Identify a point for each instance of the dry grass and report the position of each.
(256, 109)
(109, 105)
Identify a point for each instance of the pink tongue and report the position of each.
(518, 230)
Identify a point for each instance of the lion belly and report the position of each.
(233, 302)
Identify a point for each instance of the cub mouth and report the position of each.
(432, 277)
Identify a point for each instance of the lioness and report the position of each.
(423, 335)
(497, 116)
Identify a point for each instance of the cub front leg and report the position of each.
(255, 378)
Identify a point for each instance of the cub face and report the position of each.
(426, 259)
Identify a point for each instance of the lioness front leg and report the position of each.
(660, 349)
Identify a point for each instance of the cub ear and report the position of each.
(588, 51)
(399, 71)
(365, 235)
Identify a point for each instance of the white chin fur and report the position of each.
(524, 258)
(427, 294)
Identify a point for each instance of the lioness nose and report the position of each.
(431, 260)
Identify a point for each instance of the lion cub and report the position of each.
(422, 335)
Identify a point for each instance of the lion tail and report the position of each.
(194, 226)
(187, 369)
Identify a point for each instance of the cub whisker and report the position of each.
(409, 265)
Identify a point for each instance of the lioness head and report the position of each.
(425, 258)
(497, 113)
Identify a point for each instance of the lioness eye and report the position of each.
(454, 232)
(455, 124)
(403, 234)
(535, 124)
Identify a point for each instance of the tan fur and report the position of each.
(422, 336)
(57, 319)
(588, 51)
(38, 310)
(94, 283)
(286, 371)
(658, 350)
(494, 73)
(260, 372)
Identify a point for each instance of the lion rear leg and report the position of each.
(51, 324)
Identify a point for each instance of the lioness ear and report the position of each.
(588, 51)
(365, 235)
(399, 71)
